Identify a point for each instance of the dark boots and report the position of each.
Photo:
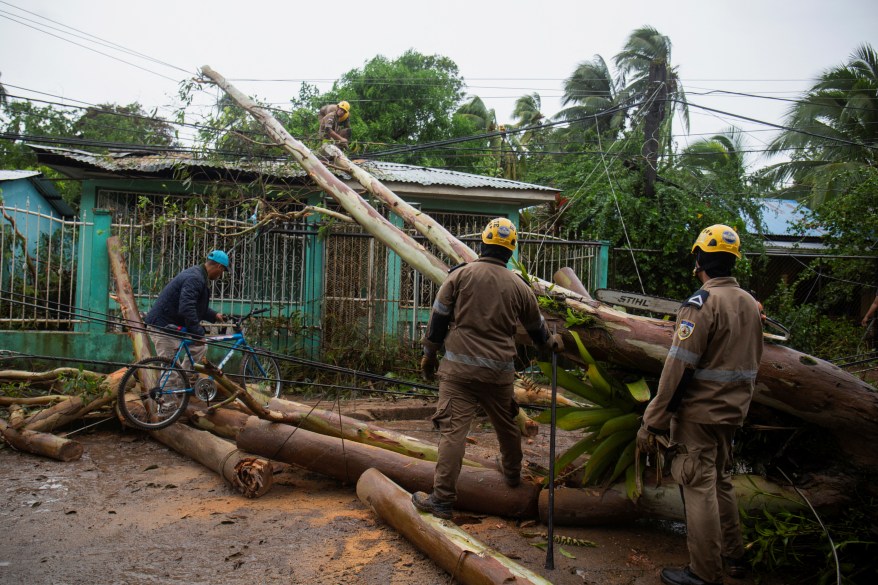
(430, 504)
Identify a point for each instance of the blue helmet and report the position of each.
(220, 258)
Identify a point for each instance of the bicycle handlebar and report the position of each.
(236, 321)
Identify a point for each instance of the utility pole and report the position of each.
(655, 115)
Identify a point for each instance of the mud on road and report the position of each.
(131, 511)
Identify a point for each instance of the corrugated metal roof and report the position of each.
(13, 175)
(285, 169)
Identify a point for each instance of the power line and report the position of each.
(92, 49)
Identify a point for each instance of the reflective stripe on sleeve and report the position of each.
(726, 375)
(440, 308)
(480, 362)
(684, 355)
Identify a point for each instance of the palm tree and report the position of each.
(646, 47)
(528, 114)
(719, 156)
(592, 90)
(833, 131)
(504, 147)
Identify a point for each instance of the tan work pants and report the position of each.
(701, 467)
(457, 406)
(166, 347)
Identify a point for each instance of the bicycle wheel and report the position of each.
(260, 374)
(153, 393)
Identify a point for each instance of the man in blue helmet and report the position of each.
(184, 302)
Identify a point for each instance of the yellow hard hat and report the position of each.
(347, 110)
(500, 232)
(718, 238)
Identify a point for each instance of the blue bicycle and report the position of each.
(155, 391)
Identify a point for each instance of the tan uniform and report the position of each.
(486, 302)
(329, 121)
(703, 396)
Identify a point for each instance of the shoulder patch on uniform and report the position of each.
(697, 300)
(453, 268)
(685, 329)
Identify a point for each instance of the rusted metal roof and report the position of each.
(148, 163)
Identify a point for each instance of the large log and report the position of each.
(599, 506)
(346, 461)
(334, 424)
(468, 560)
(250, 475)
(795, 383)
(43, 444)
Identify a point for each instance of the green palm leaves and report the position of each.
(609, 423)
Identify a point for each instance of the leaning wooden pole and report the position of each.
(426, 225)
(372, 221)
(127, 303)
(466, 559)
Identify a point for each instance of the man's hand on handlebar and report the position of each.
(220, 318)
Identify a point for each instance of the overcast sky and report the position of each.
(504, 49)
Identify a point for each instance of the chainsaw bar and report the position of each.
(638, 301)
(669, 307)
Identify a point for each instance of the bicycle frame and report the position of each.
(239, 343)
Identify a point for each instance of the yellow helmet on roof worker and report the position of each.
(347, 110)
(718, 238)
(500, 232)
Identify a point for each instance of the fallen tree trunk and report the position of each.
(32, 400)
(334, 424)
(105, 397)
(794, 383)
(222, 422)
(466, 559)
(598, 506)
(55, 416)
(250, 475)
(44, 444)
(127, 303)
(346, 461)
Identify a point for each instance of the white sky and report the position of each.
(504, 49)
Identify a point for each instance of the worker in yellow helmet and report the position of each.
(474, 318)
(703, 396)
(335, 123)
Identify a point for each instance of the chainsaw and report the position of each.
(667, 306)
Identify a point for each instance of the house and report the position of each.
(323, 278)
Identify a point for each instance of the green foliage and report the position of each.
(812, 330)
(123, 124)
(833, 130)
(796, 545)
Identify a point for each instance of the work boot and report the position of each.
(683, 577)
(430, 504)
(736, 568)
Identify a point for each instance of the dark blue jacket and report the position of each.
(184, 302)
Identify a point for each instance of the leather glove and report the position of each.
(650, 442)
(429, 363)
(646, 441)
(555, 343)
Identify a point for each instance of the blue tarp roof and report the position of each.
(779, 217)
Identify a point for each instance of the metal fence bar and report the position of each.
(43, 297)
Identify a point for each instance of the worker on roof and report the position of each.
(335, 123)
